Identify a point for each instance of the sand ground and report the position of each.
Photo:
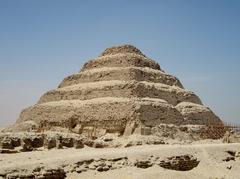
(211, 158)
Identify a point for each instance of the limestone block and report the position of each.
(50, 143)
(6, 143)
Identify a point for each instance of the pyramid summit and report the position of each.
(122, 49)
(121, 56)
(121, 91)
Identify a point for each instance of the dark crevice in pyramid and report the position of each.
(121, 91)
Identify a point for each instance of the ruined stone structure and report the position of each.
(121, 91)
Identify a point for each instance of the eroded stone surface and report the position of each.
(121, 89)
(180, 163)
(122, 50)
(121, 73)
(197, 114)
(39, 172)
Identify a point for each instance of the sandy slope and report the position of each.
(211, 158)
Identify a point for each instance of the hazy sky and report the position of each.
(41, 42)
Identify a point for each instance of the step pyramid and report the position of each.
(121, 91)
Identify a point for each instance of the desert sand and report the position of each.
(213, 161)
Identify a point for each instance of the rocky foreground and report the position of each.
(215, 160)
(172, 152)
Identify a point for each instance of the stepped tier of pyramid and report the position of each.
(121, 91)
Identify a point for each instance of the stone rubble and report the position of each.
(180, 163)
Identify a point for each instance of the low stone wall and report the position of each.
(23, 142)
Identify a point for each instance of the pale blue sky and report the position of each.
(41, 42)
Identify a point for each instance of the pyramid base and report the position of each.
(111, 115)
